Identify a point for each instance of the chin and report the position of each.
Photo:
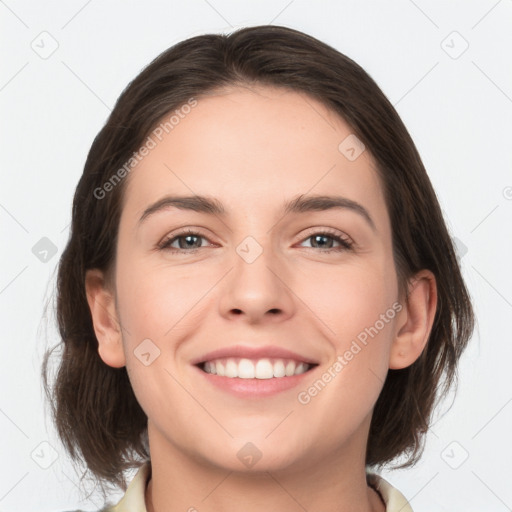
(257, 456)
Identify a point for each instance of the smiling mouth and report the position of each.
(264, 368)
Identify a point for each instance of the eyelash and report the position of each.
(345, 243)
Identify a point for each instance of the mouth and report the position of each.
(262, 368)
(250, 372)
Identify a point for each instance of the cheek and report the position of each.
(356, 305)
(154, 299)
(359, 307)
(160, 309)
(350, 297)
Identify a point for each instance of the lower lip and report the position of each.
(247, 388)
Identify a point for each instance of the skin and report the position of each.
(253, 149)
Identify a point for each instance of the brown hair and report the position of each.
(93, 405)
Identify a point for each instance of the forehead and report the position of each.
(251, 146)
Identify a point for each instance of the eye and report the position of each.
(187, 241)
(190, 241)
(325, 239)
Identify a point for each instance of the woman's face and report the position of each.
(263, 283)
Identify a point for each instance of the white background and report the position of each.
(458, 111)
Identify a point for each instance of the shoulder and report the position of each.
(104, 509)
(395, 501)
(133, 499)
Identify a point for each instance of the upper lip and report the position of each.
(248, 352)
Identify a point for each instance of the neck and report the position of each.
(180, 482)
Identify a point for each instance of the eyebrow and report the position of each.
(300, 204)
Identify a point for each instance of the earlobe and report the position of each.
(415, 321)
(104, 316)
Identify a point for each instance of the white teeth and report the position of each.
(290, 368)
(301, 368)
(264, 369)
(279, 370)
(246, 369)
(259, 369)
(231, 369)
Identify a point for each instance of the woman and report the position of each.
(259, 299)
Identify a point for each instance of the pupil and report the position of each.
(188, 238)
(320, 237)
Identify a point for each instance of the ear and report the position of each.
(415, 321)
(104, 316)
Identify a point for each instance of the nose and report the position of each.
(257, 290)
